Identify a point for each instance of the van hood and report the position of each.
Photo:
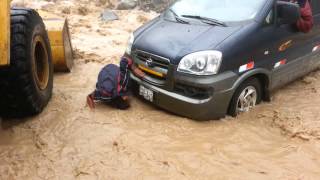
(174, 40)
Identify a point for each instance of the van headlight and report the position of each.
(201, 63)
(130, 43)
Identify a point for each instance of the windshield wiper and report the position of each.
(206, 20)
(178, 19)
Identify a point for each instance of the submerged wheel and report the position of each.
(26, 85)
(246, 97)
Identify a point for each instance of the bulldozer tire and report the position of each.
(26, 85)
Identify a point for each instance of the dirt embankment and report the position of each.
(277, 140)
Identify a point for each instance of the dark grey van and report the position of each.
(208, 58)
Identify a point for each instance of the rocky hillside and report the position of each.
(147, 5)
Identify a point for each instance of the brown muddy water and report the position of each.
(277, 140)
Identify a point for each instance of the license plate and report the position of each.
(146, 93)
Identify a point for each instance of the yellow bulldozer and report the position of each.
(32, 47)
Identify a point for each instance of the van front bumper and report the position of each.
(214, 106)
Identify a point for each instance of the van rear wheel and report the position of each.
(26, 85)
(246, 97)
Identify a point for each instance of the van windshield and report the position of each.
(221, 10)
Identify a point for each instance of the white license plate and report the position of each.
(146, 93)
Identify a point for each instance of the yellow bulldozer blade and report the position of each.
(4, 32)
(58, 32)
(59, 36)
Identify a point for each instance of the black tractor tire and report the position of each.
(232, 111)
(26, 84)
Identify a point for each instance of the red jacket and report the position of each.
(305, 23)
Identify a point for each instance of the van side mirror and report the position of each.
(287, 13)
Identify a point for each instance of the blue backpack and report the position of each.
(113, 81)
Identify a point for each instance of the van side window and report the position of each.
(315, 6)
(270, 18)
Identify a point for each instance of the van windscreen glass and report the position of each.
(222, 10)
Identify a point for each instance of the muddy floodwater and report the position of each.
(277, 140)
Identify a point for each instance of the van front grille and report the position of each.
(156, 67)
(154, 60)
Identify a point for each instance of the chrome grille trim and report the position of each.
(159, 61)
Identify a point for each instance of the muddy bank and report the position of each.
(277, 140)
(295, 109)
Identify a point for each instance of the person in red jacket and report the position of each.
(305, 23)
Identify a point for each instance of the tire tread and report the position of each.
(19, 98)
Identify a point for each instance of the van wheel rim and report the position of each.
(40, 63)
(247, 100)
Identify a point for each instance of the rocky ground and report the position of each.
(277, 140)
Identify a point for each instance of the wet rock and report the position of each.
(108, 15)
(155, 5)
(101, 2)
(126, 4)
(45, 6)
(106, 3)
(17, 3)
(142, 19)
(82, 10)
(66, 10)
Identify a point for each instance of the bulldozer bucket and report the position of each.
(59, 36)
(4, 32)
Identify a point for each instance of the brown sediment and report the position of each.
(277, 140)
